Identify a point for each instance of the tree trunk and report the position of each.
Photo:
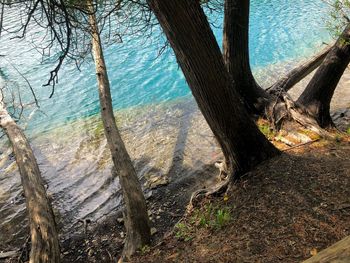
(136, 222)
(236, 54)
(199, 56)
(317, 96)
(44, 237)
(337, 253)
(297, 74)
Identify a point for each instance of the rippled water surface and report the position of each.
(67, 136)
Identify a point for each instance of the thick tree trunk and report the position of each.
(317, 96)
(198, 54)
(236, 54)
(44, 237)
(136, 222)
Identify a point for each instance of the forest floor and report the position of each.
(285, 210)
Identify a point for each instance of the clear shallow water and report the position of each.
(73, 157)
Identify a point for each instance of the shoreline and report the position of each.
(169, 142)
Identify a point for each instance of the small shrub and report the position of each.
(211, 217)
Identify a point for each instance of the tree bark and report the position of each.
(44, 238)
(236, 54)
(297, 74)
(317, 95)
(136, 222)
(337, 253)
(199, 56)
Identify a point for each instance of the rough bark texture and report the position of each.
(44, 237)
(136, 221)
(199, 56)
(236, 54)
(293, 77)
(338, 253)
(317, 96)
(284, 109)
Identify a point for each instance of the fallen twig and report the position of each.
(302, 144)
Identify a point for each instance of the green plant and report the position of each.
(145, 249)
(211, 217)
(339, 15)
(183, 231)
(223, 216)
(266, 130)
(348, 130)
(208, 216)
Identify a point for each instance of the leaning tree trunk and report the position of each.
(136, 222)
(285, 83)
(317, 96)
(199, 56)
(236, 54)
(43, 232)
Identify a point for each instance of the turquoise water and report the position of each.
(74, 158)
(279, 31)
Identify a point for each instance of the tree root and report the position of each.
(285, 109)
(217, 188)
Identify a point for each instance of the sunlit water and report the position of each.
(147, 91)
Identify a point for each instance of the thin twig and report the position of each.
(26, 80)
(302, 144)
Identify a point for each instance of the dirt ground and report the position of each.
(286, 210)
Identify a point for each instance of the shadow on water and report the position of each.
(179, 148)
(76, 165)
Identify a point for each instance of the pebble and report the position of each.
(153, 231)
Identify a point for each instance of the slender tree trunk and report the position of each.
(199, 56)
(2, 16)
(236, 54)
(317, 96)
(44, 237)
(136, 221)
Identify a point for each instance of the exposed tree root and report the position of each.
(283, 109)
(279, 111)
(217, 188)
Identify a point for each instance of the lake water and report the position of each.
(147, 91)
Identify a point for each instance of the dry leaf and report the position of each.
(313, 251)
